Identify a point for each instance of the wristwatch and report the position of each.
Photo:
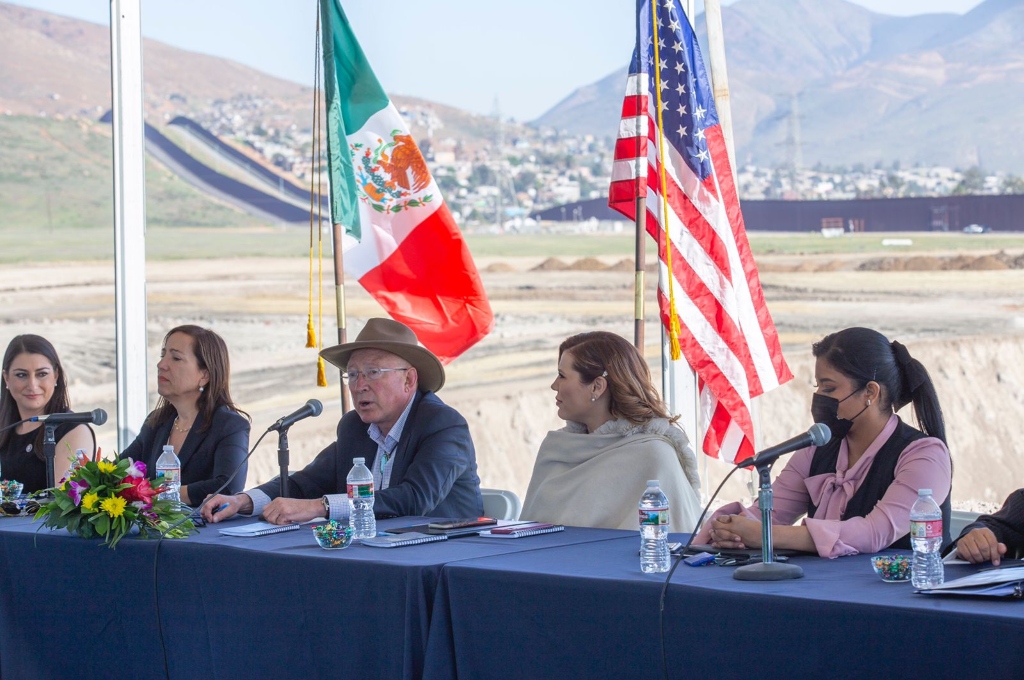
(327, 507)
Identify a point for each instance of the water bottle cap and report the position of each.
(653, 482)
(359, 461)
(168, 447)
(924, 492)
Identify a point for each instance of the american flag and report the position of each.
(726, 333)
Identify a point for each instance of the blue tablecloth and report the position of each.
(588, 611)
(274, 606)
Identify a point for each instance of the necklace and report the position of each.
(178, 429)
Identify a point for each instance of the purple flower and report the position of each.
(136, 469)
(75, 490)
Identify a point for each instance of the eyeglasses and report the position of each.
(371, 374)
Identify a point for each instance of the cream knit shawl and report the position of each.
(596, 480)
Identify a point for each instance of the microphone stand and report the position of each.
(282, 459)
(49, 451)
(768, 569)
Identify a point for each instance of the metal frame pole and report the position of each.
(129, 143)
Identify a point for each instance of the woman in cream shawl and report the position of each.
(618, 435)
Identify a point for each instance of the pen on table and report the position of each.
(220, 508)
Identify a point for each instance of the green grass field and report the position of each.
(56, 205)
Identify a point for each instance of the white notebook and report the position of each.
(398, 540)
(258, 529)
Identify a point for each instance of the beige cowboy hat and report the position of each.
(391, 336)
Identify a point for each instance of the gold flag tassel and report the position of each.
(673, 326)
(321, 374)
(315, 214)
(318, 122)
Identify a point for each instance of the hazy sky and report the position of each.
(529, 54)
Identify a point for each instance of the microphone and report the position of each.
(95, 417)
(818, 435)
(313, 408)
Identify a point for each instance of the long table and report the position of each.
(269, 607)
(588, 611)
(566, 605)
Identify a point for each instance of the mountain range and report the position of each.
(830, 82)
(812, 82)
(52, 65)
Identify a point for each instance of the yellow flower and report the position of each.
(64, 486)
(106, 466)
(89, 501)
(114, 506)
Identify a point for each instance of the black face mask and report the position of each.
(825, 410)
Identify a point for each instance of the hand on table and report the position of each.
(980, 545)
(292, 510)
(735, 531)
(222, 507)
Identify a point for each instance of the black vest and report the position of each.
(879, 477)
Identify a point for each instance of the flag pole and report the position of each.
(723, 102)
(339, 303)
(719, 77)
(640, 247)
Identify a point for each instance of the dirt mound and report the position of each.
(986, 263)
(588, 264)
(921, 263)
(622, 266)
(552, 264)
(499, 268)
(924, 263)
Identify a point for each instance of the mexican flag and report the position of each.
(401, 241)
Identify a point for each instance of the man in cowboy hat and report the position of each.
(418, 448)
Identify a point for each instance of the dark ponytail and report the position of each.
(863, 355)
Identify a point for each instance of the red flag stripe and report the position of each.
(744, 298)
(423, 284)
(732, 399)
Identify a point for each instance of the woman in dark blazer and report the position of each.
(195, 415)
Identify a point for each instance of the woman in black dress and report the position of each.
(34, 384)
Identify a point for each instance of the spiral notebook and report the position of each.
(258, 529)
(522, 530)
(399, 540)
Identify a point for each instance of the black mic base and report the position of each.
(767, 571)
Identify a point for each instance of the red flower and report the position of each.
(140, 490)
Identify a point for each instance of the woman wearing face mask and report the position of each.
(618, 435)
(195, 415)
(34, 384)
(856, 490)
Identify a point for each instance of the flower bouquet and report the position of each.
(107, 498)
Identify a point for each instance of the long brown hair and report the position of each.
(211, 354)
(59, 402)
(633, 395)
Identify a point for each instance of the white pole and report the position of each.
(129, 217)
(719, 77)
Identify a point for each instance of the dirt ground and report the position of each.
(966, 324)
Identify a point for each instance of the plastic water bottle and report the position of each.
(654, 555)
(926, 539)
(168, 473)
(360, 500)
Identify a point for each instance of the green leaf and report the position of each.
(102, 523)
(396, 209)
(379, 208)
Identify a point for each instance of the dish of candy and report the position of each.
(10, 488)
(333, 536)
(892, 568)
